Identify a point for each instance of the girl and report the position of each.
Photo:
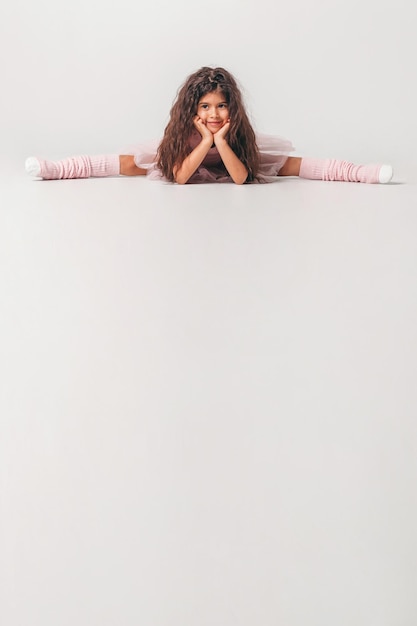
(209, 139)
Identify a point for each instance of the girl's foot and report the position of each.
(385, 174)
(33, 167)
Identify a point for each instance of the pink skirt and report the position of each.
(274, 152)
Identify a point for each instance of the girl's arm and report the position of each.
(186, 169)
(232, 163)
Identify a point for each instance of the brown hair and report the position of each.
(174, 147)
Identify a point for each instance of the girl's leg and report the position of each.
(84, 167)
(128, 166)
(331, 169)
(291, 167)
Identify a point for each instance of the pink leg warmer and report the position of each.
(331, 169)
(81, 167)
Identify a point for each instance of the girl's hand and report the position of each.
(202, 128)
(222, 132)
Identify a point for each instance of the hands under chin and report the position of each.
(200, 125)
(222, 132)
(202, 128)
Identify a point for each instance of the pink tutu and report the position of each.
(273, 151)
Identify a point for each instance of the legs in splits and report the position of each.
(115, 165)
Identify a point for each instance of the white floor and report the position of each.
(208, 403)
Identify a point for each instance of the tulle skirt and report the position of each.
(274, 152)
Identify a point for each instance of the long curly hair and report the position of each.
(174, 147)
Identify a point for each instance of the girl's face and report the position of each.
(212, 109)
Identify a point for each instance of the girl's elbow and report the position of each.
(179, 178)
(176, 174)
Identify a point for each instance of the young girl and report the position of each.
(209, 138)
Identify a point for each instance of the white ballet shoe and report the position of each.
(32, 166)
(385, 174)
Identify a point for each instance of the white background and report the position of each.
(207, 400)
(337, 78)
